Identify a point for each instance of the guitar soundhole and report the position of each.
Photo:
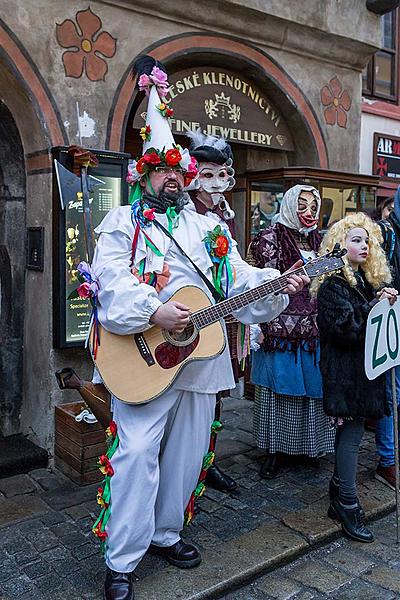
(183, 338)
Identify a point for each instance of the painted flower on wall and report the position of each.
(86, 46)
(337, 102)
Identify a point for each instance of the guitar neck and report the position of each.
(211, 314)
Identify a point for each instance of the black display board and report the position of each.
(386, 158)
(71, 314)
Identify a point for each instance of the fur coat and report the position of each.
(342, 318)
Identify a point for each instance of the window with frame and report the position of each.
(380, 75)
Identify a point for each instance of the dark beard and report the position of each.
(166, 200)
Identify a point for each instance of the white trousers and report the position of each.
(156, 468)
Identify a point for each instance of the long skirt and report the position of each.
(291, 424)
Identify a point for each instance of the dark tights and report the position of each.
(347, 444)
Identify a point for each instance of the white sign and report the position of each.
(382, 342)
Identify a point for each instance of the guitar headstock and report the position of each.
(332, 261)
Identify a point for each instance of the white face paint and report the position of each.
(213, 178)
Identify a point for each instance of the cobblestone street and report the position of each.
(343, 570)
(48, 552)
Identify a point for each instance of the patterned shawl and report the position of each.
(296, 326)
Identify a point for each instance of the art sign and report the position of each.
(224, 104)
(386, 156)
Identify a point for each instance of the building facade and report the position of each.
(380, 120)
(280, 80)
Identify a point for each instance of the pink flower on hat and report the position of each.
(159, 77)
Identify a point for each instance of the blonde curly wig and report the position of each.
(376, 267)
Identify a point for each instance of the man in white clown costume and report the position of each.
(154, 467)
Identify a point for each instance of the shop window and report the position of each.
(380, 75)
(341, 194)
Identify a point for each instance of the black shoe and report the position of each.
(218, 480)
(118, 586)
(334, 493)
(269, 468)
(352, 525)
(184, 556)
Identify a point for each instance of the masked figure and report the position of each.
(216, 176)
(288, 412)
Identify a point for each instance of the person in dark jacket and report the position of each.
(344, 302)
(388, 215)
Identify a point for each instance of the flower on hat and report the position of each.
(173, 157)
(152, 158)
(157, 77)
(164, 110)
(140, 165)
(145, 133)
(133, 175)
(144, 81)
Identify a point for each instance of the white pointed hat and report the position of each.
(158, 140)
(161, 137)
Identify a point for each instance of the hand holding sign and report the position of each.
(389, 293)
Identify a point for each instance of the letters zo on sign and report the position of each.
(382, 342)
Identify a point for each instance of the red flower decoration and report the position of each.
(151, 158)
(113, 428)
(85, 44)
(102, 535)
(148, 213)
(105, 466)
(173, 157)
(337, 101)
(84, 290)
(140, 165)
(221, 246)
(170, 112)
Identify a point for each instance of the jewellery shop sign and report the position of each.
(223, 104)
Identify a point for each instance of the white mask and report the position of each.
(214, 178)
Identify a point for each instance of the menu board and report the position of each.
(72, 314)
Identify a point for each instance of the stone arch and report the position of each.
(192, 48)
(23, 87)
(38, 126)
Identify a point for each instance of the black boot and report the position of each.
(218, 480)
(352, 525)
(334, 493)
(182, 555)
(118, 586)
(269, 468)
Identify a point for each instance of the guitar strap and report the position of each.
(215, 294)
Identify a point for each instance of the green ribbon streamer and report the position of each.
(152, 247)
(173, 218)
(218, 272)
(135, 193)
(216, 426)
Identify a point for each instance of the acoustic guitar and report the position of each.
(138, 368)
